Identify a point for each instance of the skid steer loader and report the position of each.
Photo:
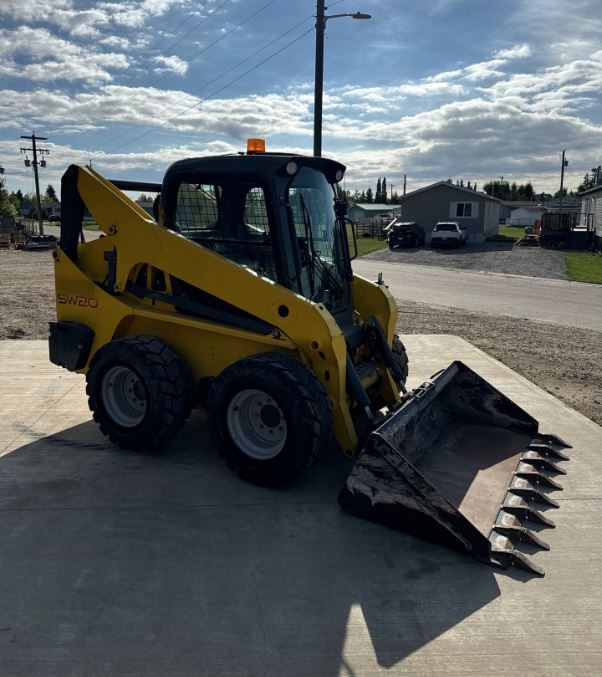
(239, 297)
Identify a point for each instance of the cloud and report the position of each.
(49, 57)
(64, 13)
(171, 64)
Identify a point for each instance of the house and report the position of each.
(364, 212)
(521, 212)
(569, 204)
(443, 201)
(146, 204)
(51, 209)
(591, 212)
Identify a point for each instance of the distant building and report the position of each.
(443, 201)
(569, 204)
(147, 205)
(521, 212)
(368, 212)
(591, 211)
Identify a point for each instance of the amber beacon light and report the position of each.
(255, 145)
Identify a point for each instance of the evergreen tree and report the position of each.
(383, 189)
(363, 196)
(589, 181)
(369, 196)
(469, 186)
(51, 194)
(378, 195)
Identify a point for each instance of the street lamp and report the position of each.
(321, 19)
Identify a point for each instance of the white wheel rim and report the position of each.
(123, 396)
(256, 424)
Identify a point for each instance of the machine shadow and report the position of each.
(167, 563)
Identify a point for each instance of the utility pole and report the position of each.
(321, 19)
(563, 164)
(33, 138)
(319, 77)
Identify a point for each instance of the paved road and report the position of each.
(574, 304)
(56, 230)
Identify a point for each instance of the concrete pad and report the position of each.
(118, 563)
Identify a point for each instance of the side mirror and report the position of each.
(350, 226)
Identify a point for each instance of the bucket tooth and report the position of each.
(548, 450)
(530, 473)
(516, 506)
(539, 461)
(503, 554)
(552, 439)
(524, 488)
(523, 535)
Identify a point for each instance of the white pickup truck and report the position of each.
(448, 233)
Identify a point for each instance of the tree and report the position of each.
(363, 196)
(378, 195)
(51, 194)
(383, 189)
(589, 181)
(6, 206)
(369, 196)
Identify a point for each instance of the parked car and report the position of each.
(410, 234)
(54, 217)
(448, 233)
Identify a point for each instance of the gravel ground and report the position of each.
(562, 360)
(26, 294)
(565, 361)
(491, 257)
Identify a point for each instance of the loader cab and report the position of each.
(276, 214)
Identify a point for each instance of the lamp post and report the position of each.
(321, 19)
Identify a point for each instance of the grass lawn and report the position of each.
(507, 234)
(365, 245)
(584, 267)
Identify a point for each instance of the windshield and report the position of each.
(319, 238)
(446, 226)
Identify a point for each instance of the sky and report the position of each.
(467, 89)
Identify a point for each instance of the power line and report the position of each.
(228, 70)
(128, 77)
(182, 37)
(221, 37)
(210, 96)
(185, 20)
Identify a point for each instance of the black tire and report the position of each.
(163, 385)
(391, 246)
(291, 389)
(401, 356)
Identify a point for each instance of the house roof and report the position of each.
(469, 191)
(374, 206)
(526, 204)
